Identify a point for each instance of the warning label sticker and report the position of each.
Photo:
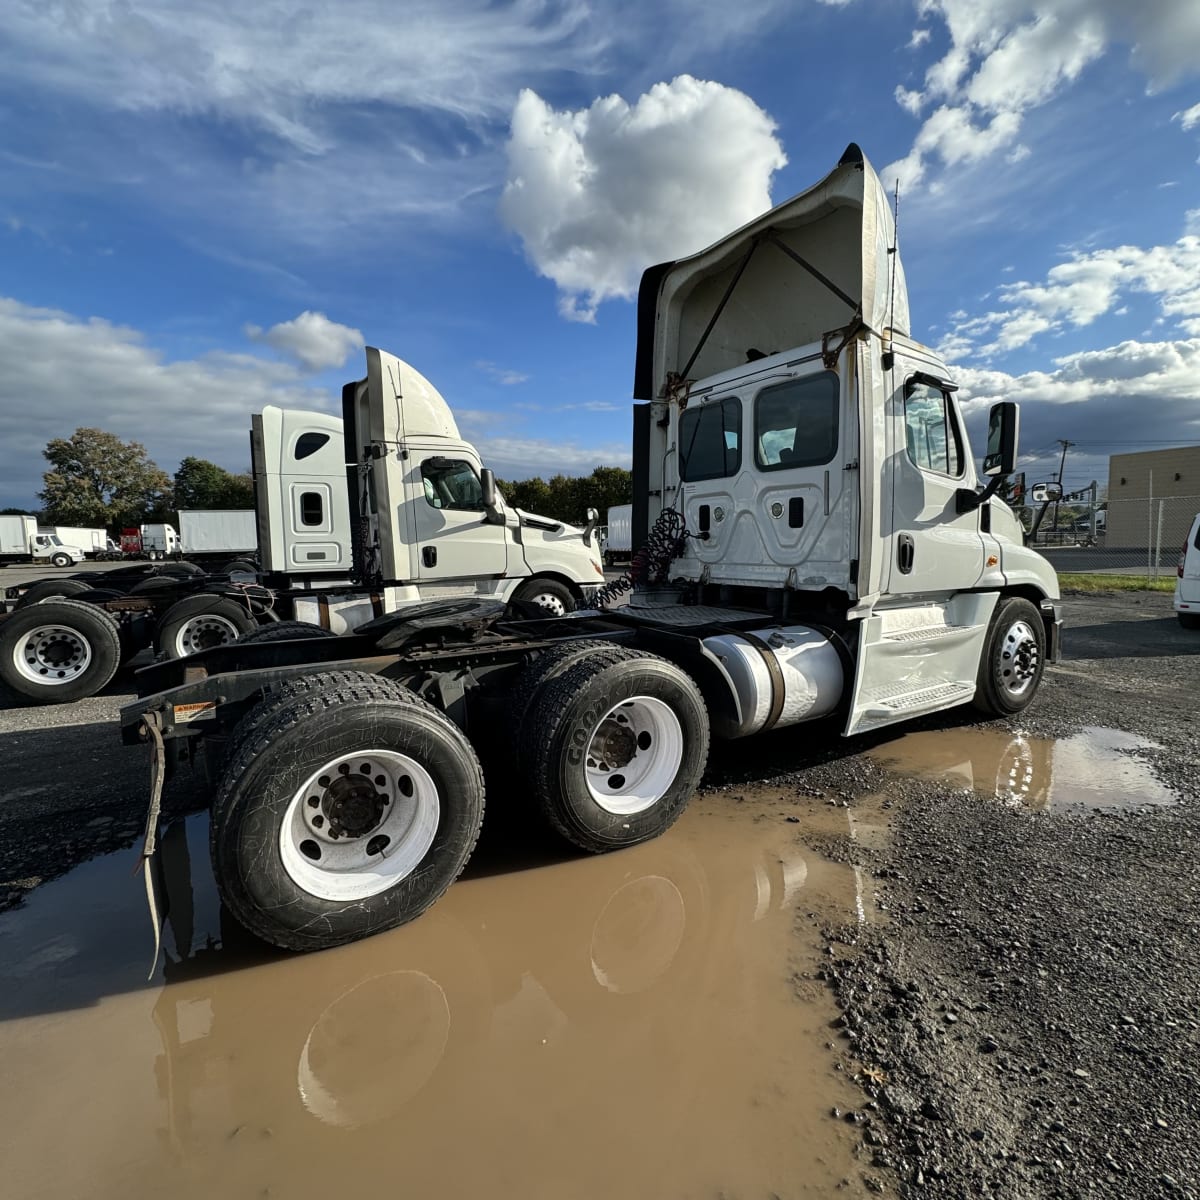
(205, 710)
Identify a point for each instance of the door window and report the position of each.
(710, 440)
(451, 483)
(796, 423)
(930, 429)
(312, 510)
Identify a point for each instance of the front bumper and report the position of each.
(1052, 619)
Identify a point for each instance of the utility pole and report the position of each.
(1062, 462)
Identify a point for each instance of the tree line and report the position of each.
(95, 479)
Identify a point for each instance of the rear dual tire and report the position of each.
(343, 813)
(612, 747)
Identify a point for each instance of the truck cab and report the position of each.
(817, 454)
(428, 522)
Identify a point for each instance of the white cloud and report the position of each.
(200, 406)
(1189, 118)
(120, 383)
(598, 193)
(918, 39)
(312, 339)
(500, 374)
(1009, 56)
(1089, 285)
(909, 100)
(1100, 399)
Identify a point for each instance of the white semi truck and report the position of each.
(443, 542)
(817, 543)
(21, 541)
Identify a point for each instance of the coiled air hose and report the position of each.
(652, 561)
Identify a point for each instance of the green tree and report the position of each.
(97, 479)
(202, 484)
(568, 497)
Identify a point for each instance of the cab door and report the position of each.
(934, 547)
(453, 538)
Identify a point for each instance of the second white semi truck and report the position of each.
(815, 541)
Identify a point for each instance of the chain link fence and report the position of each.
(1138, 536)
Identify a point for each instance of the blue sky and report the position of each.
(211, 207)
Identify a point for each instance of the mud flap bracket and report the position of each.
(151, 728)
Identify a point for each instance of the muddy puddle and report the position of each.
(1094, 769)
(625, 1026)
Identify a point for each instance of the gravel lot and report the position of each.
(1024, 1025)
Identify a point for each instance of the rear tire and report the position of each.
(613, 750)
(48, 589)
(306, 877)
(239, 566)
(59, 651)
(548, 594)
(1189, 620)
(1013, 660)
(201, 622)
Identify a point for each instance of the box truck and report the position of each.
(22, 542)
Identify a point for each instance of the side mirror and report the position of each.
(1003, 425)
(593, 519)
(491, 499)
(1046, 493)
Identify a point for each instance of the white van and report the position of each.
(1187, 585)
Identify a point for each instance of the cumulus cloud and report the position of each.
(199, 406)
(312, 339)
(1009, 56)
(599, 193)
(1100, 399)
(1189, 118)
(1075, 293)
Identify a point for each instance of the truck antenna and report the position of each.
(892, 254)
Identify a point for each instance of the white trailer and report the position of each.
(22, 542)
(618, 541)
(818, 543)
(218, 535)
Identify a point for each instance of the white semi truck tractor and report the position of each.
(816, 541)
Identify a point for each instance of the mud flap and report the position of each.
(151, 865)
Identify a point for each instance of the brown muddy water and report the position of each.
(1094, 769)
(627, 1026)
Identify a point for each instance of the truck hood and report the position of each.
(809, 266)
(411, 404)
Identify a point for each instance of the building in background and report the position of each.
(1152, 497)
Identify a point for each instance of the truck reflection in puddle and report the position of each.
(1095, 768)
(625, 1025)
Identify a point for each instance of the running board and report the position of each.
(919, 659)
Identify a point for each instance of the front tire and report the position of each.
(613, 750)
(198, 623)
(60, 560)
(59, 651)
(548, 594)
(1013, 661)
(398, 807)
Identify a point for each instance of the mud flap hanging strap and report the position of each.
(158, 769)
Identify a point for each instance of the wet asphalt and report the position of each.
(1023, 1024)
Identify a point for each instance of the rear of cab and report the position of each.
(1187, 583)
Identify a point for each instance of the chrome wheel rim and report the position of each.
(1018, 660)
(203, 632)
(52, 655)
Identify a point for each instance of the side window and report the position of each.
(451, 483)
(312, 509)
(796, 423)
(308, 444)
(710, 440)
(930, 430)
